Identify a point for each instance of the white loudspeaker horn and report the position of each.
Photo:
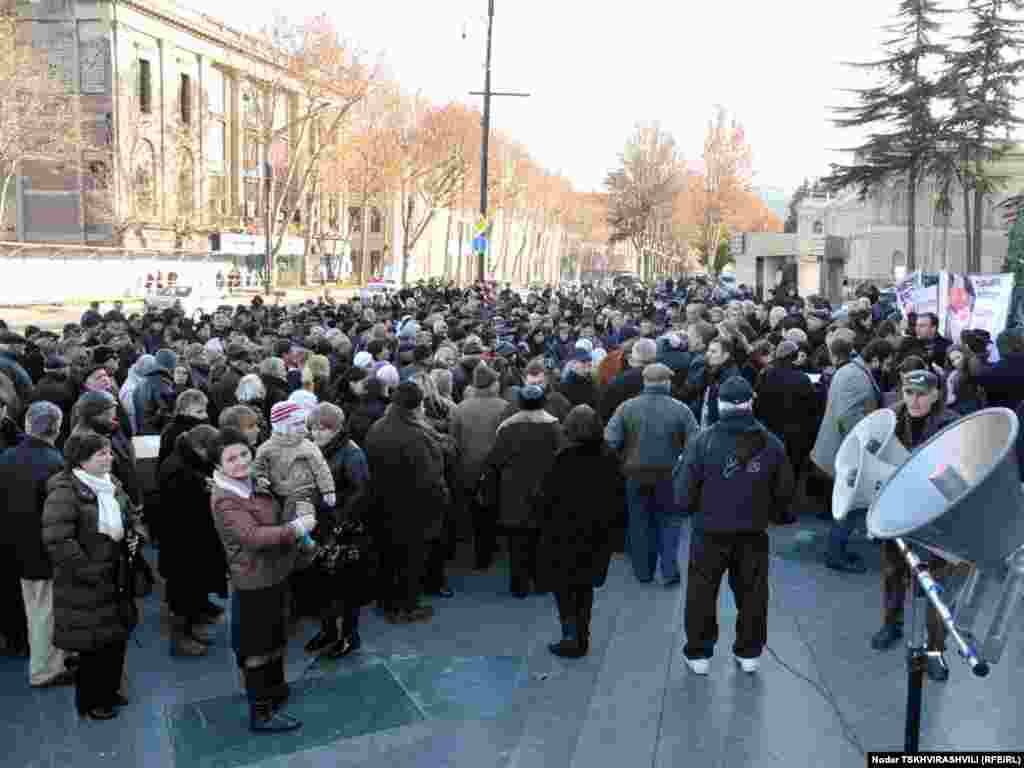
(868, 457)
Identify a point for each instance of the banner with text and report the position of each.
(915, 295)
(976, 302)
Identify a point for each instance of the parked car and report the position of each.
(189, 298)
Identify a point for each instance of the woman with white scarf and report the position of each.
(261, 542)
(89, 525)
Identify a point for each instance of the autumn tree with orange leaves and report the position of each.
(670, 210)
(317, 79)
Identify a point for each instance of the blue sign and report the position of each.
(480, 244)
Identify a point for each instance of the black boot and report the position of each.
(325, 638)
(569, 647)
(262, 717)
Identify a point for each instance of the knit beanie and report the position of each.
(286, 416)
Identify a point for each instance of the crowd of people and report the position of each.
(314, 459)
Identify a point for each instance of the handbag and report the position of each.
(139, 572)
(346, 547)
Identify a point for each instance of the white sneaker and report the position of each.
(748, 665)
(698, 666)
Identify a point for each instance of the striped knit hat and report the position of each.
(286, 414)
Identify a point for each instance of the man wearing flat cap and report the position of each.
(650, 432)
(736, 481)
(921, 415)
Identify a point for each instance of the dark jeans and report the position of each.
(839, 536)
(896, 579)
(99, 677)
(745, 557)
(653, 529)
(522, 551)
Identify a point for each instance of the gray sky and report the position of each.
(595, 69)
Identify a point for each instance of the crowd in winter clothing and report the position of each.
(571, 422)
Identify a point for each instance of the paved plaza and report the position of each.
(478, 688)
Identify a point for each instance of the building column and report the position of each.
(233, 146)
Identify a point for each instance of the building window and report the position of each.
(185, 99)
(819, 228)
(355, 219)
(375, 265)
(186, 182)
(215, 97)
(145, 87)
(144, 180)
(376, 221)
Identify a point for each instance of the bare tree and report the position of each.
(318, 79)
(430, 169)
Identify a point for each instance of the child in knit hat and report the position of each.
(289, 464)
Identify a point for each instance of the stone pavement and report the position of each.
(478, 688)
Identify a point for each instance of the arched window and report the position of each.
(186, 183)
(144, 180)
(819, 228)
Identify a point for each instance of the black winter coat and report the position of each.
(408, 494)
(788, 405)
(580, 501)
(93, 606)
(24, 472)
(178, 426)
(522, 455)
(190, 548)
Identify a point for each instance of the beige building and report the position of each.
(842, 239)
(173, 100)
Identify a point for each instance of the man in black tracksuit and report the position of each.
(736, 481)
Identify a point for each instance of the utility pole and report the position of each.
(487, 93)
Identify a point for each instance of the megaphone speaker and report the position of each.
(960, 493)
(868, 456)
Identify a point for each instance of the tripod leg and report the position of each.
(917, 663)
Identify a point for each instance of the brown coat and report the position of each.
(259, 544)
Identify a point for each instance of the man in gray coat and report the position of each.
(852, 395)
(474, 426)
(650, 431)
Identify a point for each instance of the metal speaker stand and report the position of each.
(917, 648)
